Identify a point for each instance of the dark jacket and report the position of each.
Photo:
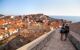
(66, 29)
(62, 30)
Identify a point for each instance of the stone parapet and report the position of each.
(38, 43)
(75, 39)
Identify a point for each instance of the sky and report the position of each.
(48, 7)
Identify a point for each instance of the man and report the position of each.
(66, 31)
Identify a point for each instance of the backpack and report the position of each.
(62, 30)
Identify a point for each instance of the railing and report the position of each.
(38, 43)
(75, 39)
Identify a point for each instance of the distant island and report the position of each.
(1, 15)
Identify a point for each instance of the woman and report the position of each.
(62, 31)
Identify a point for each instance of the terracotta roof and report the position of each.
(2, 31)
(11, 29)
(2, 22)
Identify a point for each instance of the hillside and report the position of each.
(1, 15)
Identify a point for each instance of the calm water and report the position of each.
(70, 18)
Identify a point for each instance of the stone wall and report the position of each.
(75, 39)
(42, 43)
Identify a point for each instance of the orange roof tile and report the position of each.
(11, 29)
(2, 22)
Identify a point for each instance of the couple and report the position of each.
(64, 31)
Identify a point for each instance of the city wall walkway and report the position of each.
(56, 44)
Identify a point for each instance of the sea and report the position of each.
(74, 19)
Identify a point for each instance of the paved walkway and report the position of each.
(56, 44)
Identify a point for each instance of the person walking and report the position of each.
(64, 31)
